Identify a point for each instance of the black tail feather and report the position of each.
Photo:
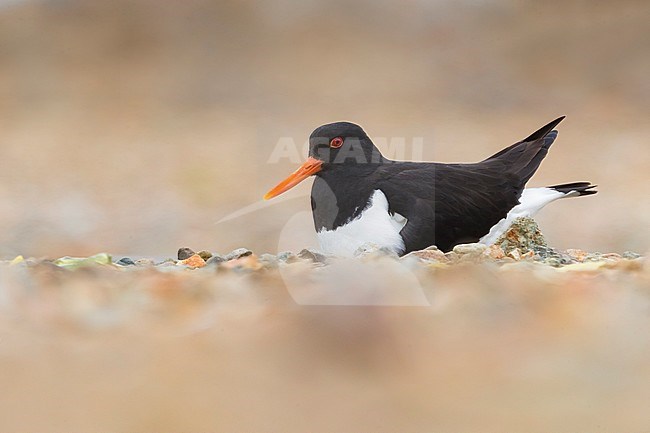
(545, 132)
(523, 159)
(582, 188)
(539, 149)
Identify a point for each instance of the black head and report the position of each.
(339, 145)
(342, 143)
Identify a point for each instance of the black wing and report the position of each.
(449, 204)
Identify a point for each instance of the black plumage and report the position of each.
(444, 204)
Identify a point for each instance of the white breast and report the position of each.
(374, 225)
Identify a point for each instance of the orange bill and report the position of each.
(309, 167)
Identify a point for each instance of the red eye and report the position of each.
(336, 142)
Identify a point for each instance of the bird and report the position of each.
(360, 197)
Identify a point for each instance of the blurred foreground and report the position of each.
(242, 347)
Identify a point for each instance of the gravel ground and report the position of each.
(514, 337)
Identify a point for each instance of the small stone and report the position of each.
(238, 253)
(79, 262)
(494, 252)
(287, 257)
(611, 257)
(583, 267)
(579, 255)
(268, 261)
(144, 262)
(515, 254)
(185, 253)
(594, 257)
(429, 256)
(452, 256)
(631, 255)
(566, 259)
(625, 265)
(528, 255)
(125, 261)
(312, 255)
(545, 252)
(205, 255)
(553, 261)
(194, 261)
(166, 263)
(247, 262)
(523, 234)
(473, 249)
(215, 260)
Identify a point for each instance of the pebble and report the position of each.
(545, 252)
(428, 255)
(615, 257)
(245, 263)
(144, 262)
(194, 261)
(579, 255)
(452, 256)
(515, 254)
(528, 255)
(125, 261)
(185, 253)
(215, 260)
(474, 249)
(166, 263)
(523, 234)
(312, 255)
(287, 257)
(78, 262)
(553, 261)
(269, 261)
(469, 253)
(495, 252)
(205, 255)
(238, 253)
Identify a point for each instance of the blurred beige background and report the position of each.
(134, 126)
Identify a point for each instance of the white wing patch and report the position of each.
(375, 225)
(530, 202)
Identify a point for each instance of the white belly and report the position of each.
(374, 225)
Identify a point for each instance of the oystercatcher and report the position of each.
(360, 197)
